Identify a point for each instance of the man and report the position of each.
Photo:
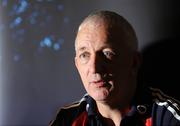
(107, 59)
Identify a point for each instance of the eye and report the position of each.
(109, 54)
(84, 57)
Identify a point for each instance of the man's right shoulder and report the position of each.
(68, 113)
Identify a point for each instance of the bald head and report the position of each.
(114, 24)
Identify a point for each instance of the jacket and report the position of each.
(150, 108)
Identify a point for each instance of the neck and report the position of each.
(111, 115)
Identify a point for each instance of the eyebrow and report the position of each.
(85, 48)
(81, 49)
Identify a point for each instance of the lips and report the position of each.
(99, 83)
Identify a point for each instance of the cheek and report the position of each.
(121, 68)
(84, 75)
(82, 70)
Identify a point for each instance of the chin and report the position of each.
(100, 96)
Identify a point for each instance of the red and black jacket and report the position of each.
(152, 109)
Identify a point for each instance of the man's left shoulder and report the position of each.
(166, 109)
(163, 99)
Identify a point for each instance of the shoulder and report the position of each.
(68, 113)
(162, 99)
(165, 108)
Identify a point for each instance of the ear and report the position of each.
(137, 60)
(75, 61)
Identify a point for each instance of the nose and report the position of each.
(97, 65)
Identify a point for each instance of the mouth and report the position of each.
(99, 83)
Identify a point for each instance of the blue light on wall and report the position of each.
(30, 18)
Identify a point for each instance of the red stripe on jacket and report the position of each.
(149, 121)
(81, 120)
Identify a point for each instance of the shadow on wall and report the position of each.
(160, 66)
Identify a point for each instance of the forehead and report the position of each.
(98, 34)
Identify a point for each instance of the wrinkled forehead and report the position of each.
(113, 36)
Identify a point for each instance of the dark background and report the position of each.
(37, 72)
